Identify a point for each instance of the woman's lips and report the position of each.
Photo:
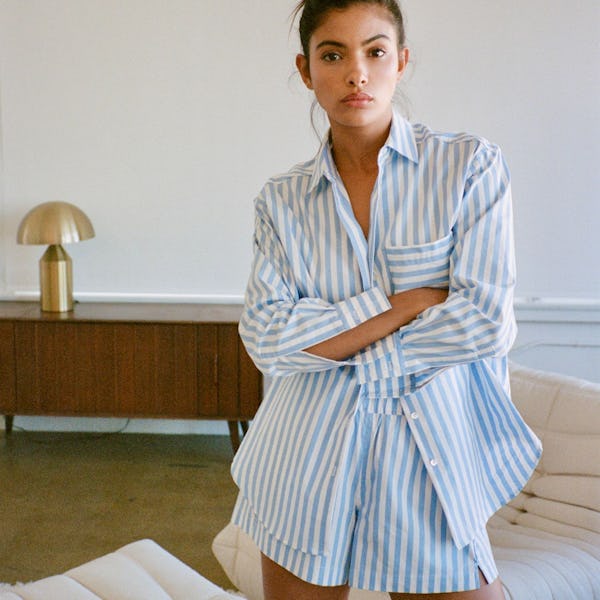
(357, 100)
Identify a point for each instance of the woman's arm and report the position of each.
(405, 307)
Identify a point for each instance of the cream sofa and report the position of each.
(547, 541)
(139, 571)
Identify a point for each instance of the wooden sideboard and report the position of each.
(178, 361)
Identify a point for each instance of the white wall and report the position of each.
(161, 120)
(526, 74)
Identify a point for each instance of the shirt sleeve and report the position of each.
(477, 319)
(277, 323)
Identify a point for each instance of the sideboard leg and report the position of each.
(234, 434)
(8, 423)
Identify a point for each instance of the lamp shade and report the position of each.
(54, 223)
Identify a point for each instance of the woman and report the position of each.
(380, 302)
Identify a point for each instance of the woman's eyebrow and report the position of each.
(340, 45)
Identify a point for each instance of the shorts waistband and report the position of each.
(380, 406)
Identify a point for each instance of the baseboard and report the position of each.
(120, 425)
(34, 295)
(587, 307)
(557, 310)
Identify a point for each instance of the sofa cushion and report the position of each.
(139, 571)
(579, 491)
(535, 563)
(562, 512)
(565, 413)
(50, 588)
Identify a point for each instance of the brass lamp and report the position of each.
(55, 223)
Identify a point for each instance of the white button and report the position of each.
(414, 415)
(433, 462)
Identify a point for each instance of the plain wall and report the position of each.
(161, 120)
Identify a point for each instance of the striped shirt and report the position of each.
(440, 217)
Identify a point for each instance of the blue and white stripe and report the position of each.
(441, 217)
(392, 534)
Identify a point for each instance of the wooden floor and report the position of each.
(67, 498)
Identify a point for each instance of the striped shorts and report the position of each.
(391, 532)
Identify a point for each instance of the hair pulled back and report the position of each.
(313, 13)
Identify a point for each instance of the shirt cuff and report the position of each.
(379, 361)
(410, 362)
(361, 308)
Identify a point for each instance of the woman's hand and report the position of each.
(406, 306)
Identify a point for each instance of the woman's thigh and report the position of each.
(279, 584)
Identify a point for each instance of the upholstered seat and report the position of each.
(139, 571)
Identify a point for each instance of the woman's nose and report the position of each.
(357, 75)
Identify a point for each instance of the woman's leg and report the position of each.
(279, 584)
(487, 591)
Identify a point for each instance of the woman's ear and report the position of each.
(302, 66)
(403, 56)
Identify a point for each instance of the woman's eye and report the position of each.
(377, 52)
(331, 56)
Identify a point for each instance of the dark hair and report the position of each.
(314, 12)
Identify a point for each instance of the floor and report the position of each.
(70, 497)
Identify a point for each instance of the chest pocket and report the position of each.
(424, 265)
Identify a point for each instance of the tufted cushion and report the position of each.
(547, 540)
(565, 413)
(537, 562)
(140, 571)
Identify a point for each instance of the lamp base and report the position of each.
(56, 280)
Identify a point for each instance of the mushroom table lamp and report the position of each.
(55, 223)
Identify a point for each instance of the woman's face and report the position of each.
(354, 66)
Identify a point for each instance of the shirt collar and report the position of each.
(401, 139)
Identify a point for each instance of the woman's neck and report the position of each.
(355, 149)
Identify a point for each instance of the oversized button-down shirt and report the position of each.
(440, 217)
